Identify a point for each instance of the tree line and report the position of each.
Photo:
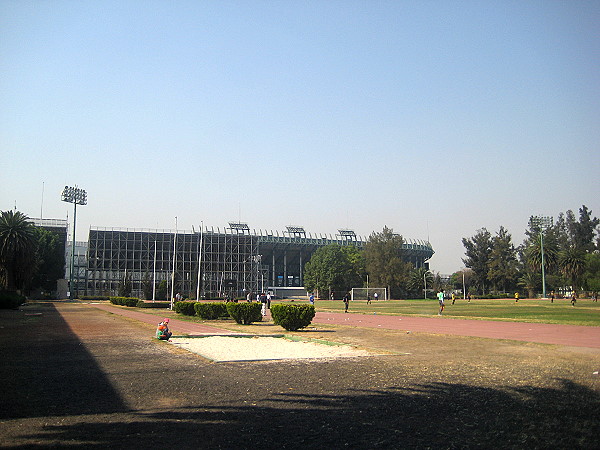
(30, 257)
(571, 257)
(338, 268)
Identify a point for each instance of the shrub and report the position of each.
(211, 311)
(292, 317)
(94, 297)
(10, 300)
(124, 301)
(185, 308)
(245, 313)
(150, 304)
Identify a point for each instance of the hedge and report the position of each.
(292, 317)
(151, 304)
(185, 308)
(124, 301)
(11, 300)
(211, 311)
(245, 313)
(94, 297)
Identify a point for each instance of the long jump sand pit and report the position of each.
(263, 348)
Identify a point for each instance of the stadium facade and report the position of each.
(230, 261)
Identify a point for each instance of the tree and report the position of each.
(502, 264)
(334, 267)
(477, 256)
(17, 246)
(533, 247)
(384, 264)
(591, 276)
(572, 264)
(49, 260)
(417, 279)
(125, 285)
(530, 281)
(147, 286)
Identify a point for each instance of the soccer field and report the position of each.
(585, 312)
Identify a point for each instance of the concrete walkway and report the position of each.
(543, 333)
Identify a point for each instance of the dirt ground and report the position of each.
(75, 376)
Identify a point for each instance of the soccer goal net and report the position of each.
(369, 293)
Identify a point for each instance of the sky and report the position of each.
(433, 118)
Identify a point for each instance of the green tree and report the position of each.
(477, 256)
(147, 286)
(17, 247)
(384, 264)
(533, 247)
(572, 265)
(125, 285)
(161, 291)
(334, 267)
(49, 260)
(417, 280)
(591, 276)
(502, 264)
(530, 281)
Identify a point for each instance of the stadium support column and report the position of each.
(285, 268)
(273, 270)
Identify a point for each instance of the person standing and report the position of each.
(453, 298)
(440, 297)
(368, 299)
(268, 300)
(573, 299)
(263, 300)
(552, 297)
(346, 302)
(311, 299)
(516, 297)
(376, 296)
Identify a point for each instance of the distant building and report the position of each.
(233, 260)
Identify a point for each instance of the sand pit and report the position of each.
(255, 348)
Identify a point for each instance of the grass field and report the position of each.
(585, 312)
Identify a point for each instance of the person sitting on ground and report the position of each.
(162, 332)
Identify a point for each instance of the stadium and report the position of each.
(233, 260)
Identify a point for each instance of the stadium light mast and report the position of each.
(77, 197)
(543, 223)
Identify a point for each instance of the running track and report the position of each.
(569, 335)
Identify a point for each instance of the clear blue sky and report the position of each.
(434, 118)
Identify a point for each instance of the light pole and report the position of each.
(77, 197)
(543, 223)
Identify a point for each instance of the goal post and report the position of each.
(369, 293)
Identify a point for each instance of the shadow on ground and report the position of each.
(437, 415)
(71, 403)
(47, 371)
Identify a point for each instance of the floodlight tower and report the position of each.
(77, 197)
(543, 223)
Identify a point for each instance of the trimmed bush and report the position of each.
(11, 300)
(211, 311)
(124, 301)
(245, 313)
(292, 317)
(94, 297)
(185, 308)
(150, 304)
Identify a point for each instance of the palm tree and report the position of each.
(418, 278)
(530, 281)
(533, 254)
(572, 264)
(17, 247)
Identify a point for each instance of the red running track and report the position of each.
(570, 335)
